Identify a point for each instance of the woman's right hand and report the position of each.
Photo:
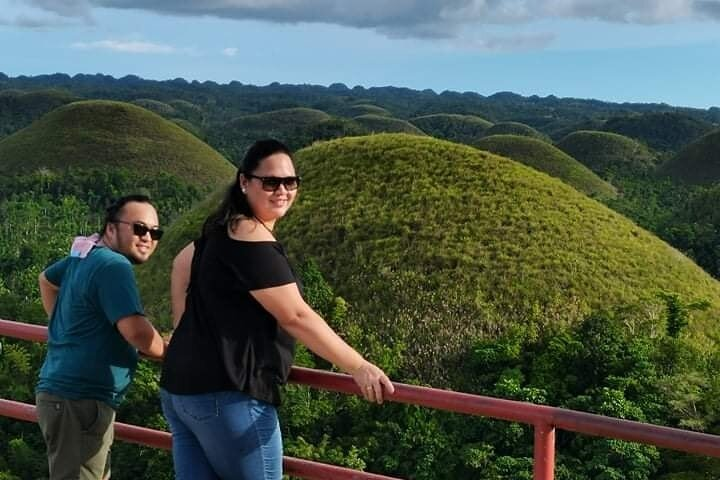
(374, 384)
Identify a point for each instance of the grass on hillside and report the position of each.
(514, 128)
(92, 134)
(379, 124)
(545, 158)
(161, 108)
(424, 220)
(365, 109)
(453, 127)
(607, 153)
(284, 118)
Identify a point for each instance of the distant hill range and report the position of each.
(660, 126)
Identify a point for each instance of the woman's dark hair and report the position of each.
(112, 212)
(235, 201)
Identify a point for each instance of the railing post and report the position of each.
(544, 464)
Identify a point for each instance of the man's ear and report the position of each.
(110, 233)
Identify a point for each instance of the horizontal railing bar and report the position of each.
(633, 431)
(429, 397)
(158, 439)
(23, 331)
(511, 410)
(524, 412)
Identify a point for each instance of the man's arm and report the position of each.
(48, 293)
(140, 333)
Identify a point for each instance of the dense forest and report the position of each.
(558, 251)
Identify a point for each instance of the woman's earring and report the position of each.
(244, 191)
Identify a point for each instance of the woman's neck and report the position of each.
(269, 226)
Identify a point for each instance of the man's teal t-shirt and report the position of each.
(87, 357)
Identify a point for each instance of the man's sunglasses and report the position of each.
(140, 229)
(271, 184)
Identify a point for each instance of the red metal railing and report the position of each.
(157, 439)
(544, 419)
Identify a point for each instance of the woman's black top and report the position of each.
(226, 340)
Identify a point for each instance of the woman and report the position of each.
(234, 336)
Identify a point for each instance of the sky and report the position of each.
(649, 51)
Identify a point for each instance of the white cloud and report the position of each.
(636, 11)
(127, 47)
(510, 43)
(230, 51)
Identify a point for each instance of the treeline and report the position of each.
(685, 216)
(209, 104)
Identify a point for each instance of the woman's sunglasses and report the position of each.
(140, 229)
(271, 184)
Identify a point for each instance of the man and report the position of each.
(95, 330)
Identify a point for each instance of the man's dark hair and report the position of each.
(111, 212)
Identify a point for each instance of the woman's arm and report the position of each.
(179, 281)
(297, 318)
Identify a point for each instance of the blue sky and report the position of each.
(616, 50)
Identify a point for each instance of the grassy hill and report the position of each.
(97, 134)
(365, 109)
(379, 124)
(604, 152)
(19, 108)
(561, 128)
(282, 118)
(161, 108)
(453, 127)
(433, 242)
(544, 157)
(289, 125)
(664, 131)
(514, 128)
(181, 112)
(698, 163)
(189, 111)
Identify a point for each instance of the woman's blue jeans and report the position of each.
(223, 435)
